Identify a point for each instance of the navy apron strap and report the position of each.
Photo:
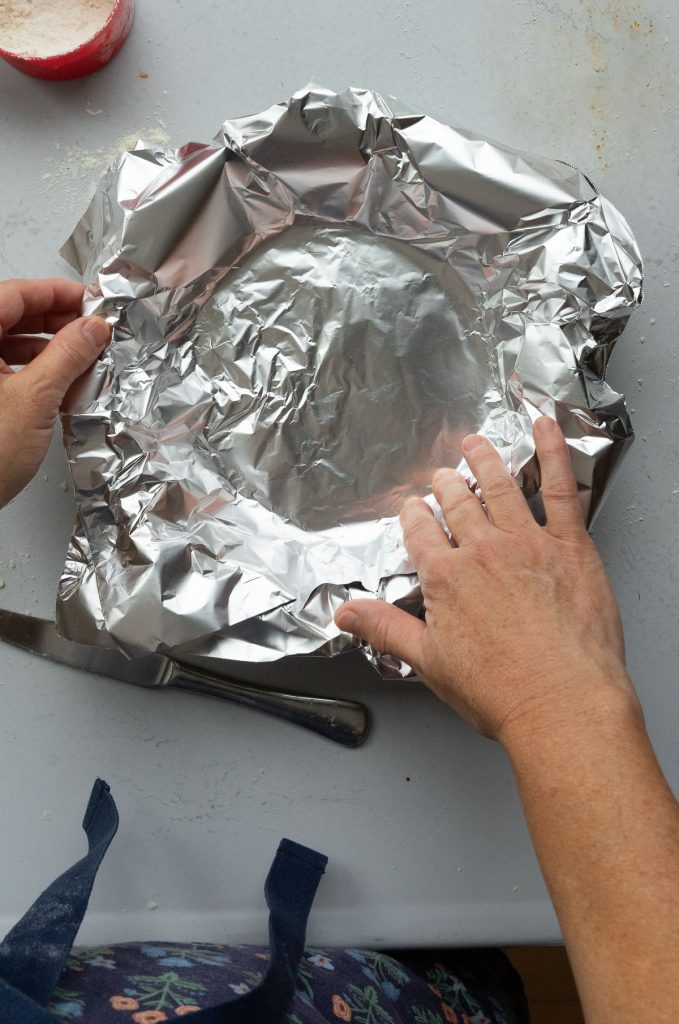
(21, 1009)
(33, 955)
(290, 889)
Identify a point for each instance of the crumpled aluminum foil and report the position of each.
(309, 314)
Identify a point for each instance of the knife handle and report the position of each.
(343, 721)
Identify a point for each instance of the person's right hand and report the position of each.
(521, 623)
(30, 399)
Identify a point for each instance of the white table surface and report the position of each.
(424, 832)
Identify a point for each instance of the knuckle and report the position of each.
(446, 475)
(25, 406)
(500, 486)
(486, 552)
(435, 577)
(451, 501)
(381, 637)
(535, 554)
(564, 491)
(72, 351)
(11, 400)
(11, 300)
(42, 396)
(414, 529)
(433, 567)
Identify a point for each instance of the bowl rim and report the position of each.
(65, 56)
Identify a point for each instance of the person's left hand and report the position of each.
(30, 399)
(521, 628)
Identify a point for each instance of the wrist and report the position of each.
(573, 714)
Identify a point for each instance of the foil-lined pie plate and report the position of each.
(309, 314)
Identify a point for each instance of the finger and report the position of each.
(44, 323)
(386, 628)
(66, 357)
(462, 510)
(21, 298)
(558, 484)
(423, 537)
(501, 493)
(19, 349)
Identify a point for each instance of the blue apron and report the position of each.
(34, 954)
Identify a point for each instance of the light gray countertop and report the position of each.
(422, 825)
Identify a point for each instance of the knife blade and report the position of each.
(346, 722)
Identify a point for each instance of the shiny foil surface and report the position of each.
(309, 315)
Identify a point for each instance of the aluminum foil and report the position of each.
(309, 314)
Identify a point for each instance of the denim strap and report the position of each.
(290, 889)
(34, 953)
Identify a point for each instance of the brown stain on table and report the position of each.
(609, 30)
(594, 79)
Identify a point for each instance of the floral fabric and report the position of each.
(154, 982)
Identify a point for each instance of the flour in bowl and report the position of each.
(45, 28)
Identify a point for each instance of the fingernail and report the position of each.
(97, 331)
(442, 473)
(347, 621)
(546, 423)
(471, 442)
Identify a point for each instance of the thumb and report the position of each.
(70, 352)
(31, 399)
(386, 628)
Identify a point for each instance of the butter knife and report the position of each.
(343, 721)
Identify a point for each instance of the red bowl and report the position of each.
(90, 56)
